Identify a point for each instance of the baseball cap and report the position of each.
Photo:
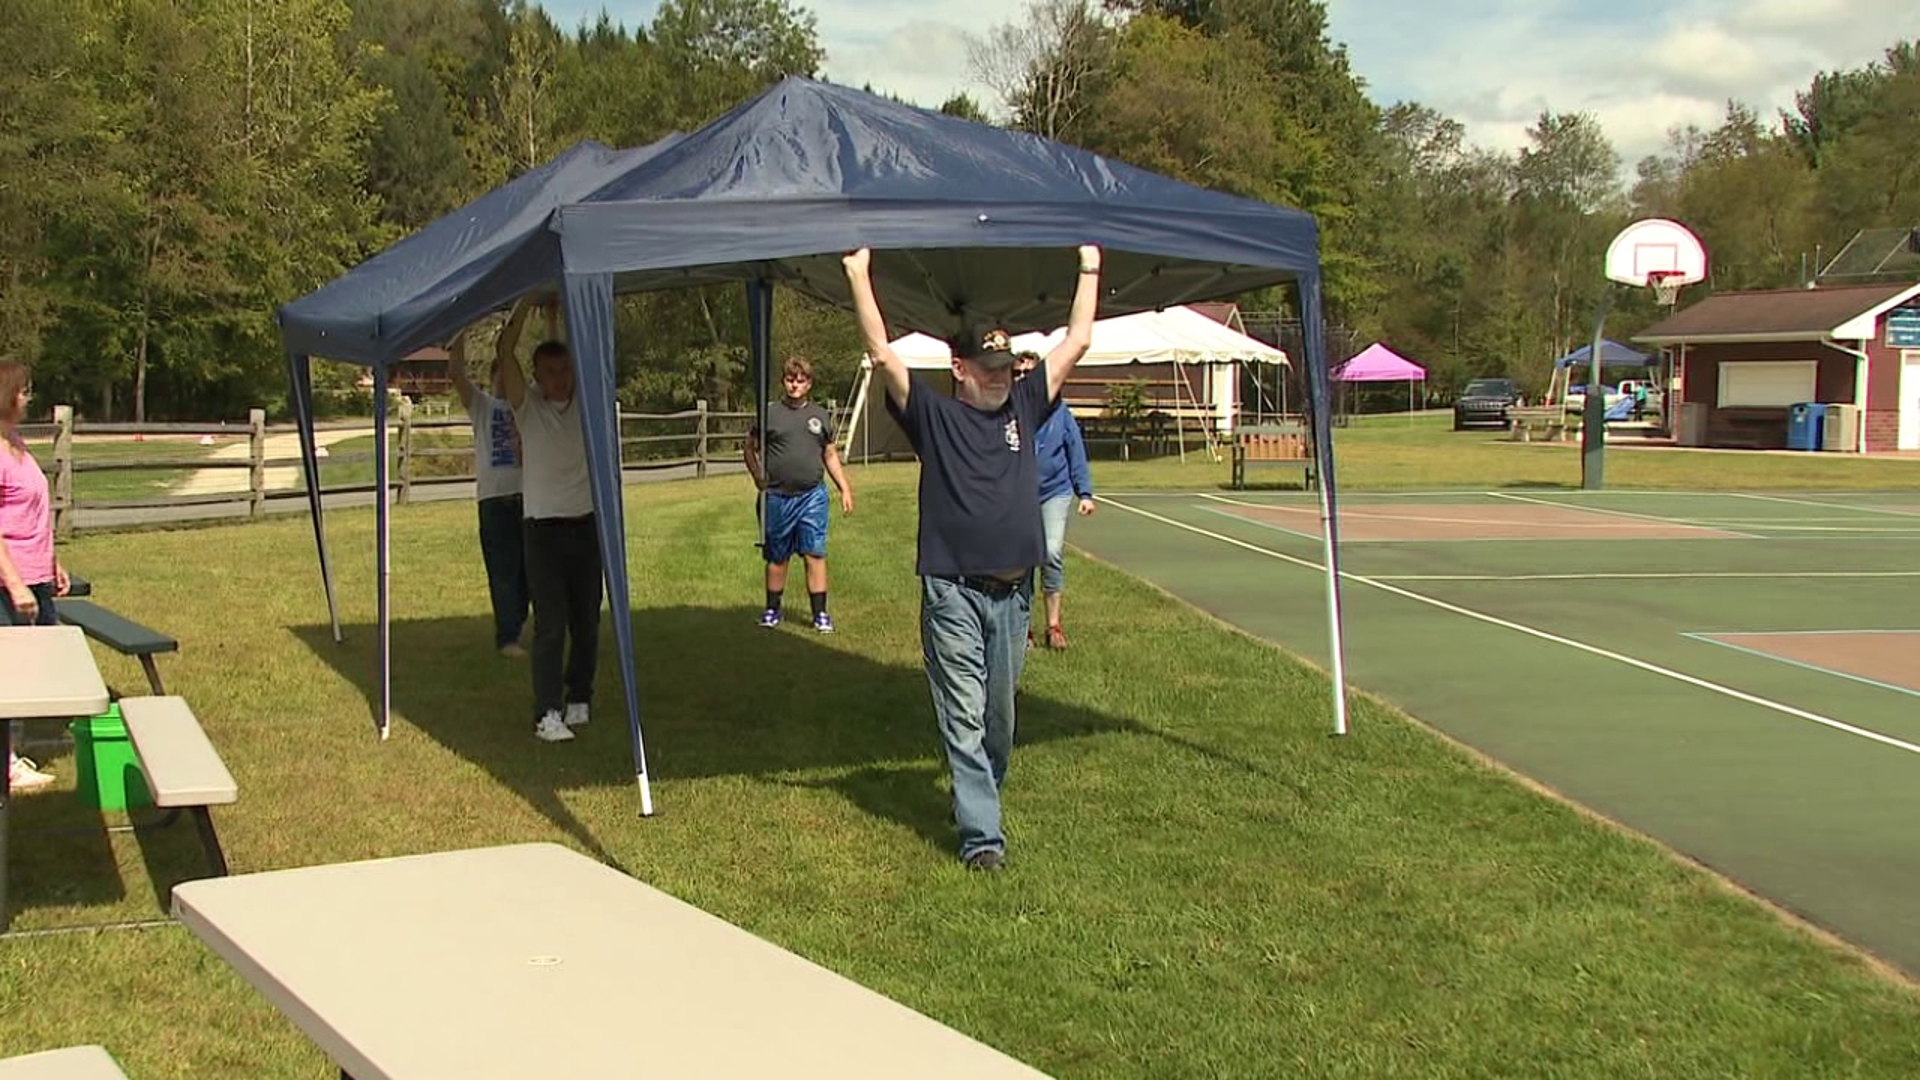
(989, 346)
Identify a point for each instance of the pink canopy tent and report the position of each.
(1377, 363)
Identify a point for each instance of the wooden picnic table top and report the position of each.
(534, 960)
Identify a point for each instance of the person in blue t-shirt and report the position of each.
(1065, 484)
(980, 533)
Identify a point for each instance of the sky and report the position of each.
(1639, 66)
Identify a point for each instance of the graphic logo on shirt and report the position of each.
(503, 439)
(1013, 435)
(814, 426)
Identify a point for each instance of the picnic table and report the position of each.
(534, 960)
(49, 673)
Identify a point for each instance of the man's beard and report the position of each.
(984, 398)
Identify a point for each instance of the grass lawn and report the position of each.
(125, 483)
(1203, 882)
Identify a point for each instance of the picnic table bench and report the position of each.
(1288, 446)
(533, 960)
(71, 1063)
(118, 633)
(182, 769)
(1547, 422)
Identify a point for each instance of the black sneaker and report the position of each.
(989, 859)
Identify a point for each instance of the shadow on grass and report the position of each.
(719, 697)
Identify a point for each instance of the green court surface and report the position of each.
(1735, 675)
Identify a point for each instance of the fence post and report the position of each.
(406, 450)
(257, 458)
(700, 439)
(63, 471)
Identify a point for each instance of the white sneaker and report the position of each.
(550, 729)
(24, 775)
(577, 714)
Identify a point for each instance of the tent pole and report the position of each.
(588, 310)
(1319, 395)
(760, 341)
(383, 525)
(300, 378)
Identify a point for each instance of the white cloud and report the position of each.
(1640, 66)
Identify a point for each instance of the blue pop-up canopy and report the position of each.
(1612, 354)
(966, 221)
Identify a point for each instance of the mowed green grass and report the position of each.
(1203, 882)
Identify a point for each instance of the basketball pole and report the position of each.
(1593, 419)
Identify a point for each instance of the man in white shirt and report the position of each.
(562, 546)
(496, 491)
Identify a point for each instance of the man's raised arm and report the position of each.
(1079, 336)
(513, 381)
(873, 328)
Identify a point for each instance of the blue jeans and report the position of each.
(42, 595)
(1054, 515)
(973, 636)
(502, 549)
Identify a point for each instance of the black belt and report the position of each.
(986, 583)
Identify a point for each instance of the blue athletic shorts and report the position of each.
(796, 525)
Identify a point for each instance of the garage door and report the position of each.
(1767, 384)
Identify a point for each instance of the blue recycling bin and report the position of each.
(1805, 423)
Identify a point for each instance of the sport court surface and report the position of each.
(1737, 675)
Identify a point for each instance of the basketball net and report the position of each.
(1665, 286)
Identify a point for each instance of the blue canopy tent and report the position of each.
(966, 221)
(1612, 354)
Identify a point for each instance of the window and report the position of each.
(1767, 384)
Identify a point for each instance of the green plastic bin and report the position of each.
(106, 770)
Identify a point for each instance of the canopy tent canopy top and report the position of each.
(1612, 354)
(1377, 363)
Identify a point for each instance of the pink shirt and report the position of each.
(26, 522)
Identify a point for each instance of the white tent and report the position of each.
(1175, 335)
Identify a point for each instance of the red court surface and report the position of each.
(1886, 657)
(1476, 521)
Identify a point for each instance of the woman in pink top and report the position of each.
(30, 577)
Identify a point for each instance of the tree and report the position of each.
(722, 52)
(1048, 69)
(963, 106)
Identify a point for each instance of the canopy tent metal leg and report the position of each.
(300, 380)
(1318, 405)
(760, 336)
(589, 314)
(383, 524)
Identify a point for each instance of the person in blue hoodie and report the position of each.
(1064, 481)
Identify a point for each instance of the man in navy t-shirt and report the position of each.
(980, 534)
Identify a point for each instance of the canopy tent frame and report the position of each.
(744, 201)
(1377, 363)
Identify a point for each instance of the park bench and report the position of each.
(71, 1063)
(1540, 423)
(119, 633)
(182, 769)
(1287, 446)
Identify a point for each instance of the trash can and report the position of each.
(107, 772)
(1805, 422)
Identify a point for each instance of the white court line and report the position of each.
(1570, 526)
(1659, 576)
(1520, 628)
(1822, 505)
(1669, 522)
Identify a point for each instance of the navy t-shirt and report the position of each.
(979, 478)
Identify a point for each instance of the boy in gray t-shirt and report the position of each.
(787, 462)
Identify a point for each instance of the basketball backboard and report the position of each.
(1657, 252)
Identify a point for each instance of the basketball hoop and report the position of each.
(1665, 286)
(1659, 254)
